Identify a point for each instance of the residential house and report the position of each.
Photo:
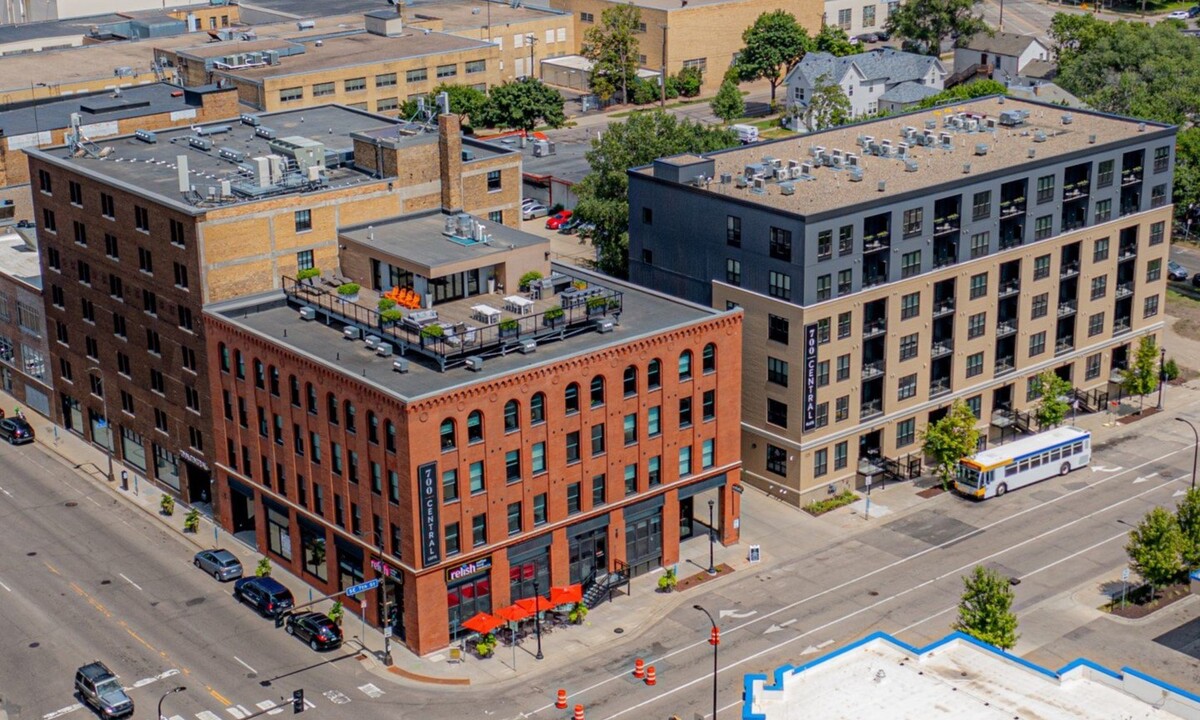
(879, 79)
(1007, 53)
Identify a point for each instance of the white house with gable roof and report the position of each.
(882, 79)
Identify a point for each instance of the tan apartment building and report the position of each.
(101, 115)
(705, 34)
(890, 268)
(135, 243)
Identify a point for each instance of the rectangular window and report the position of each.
(1095, 324)
(629, 428)
(453, 542)
(323, 89)
(512, 466)
(733, 231)
(1043, 227)
(1037, 344)
(356, 84)
(416, 76)
(781, 244)
(303, 220)
(1103, 211)
(685, 412)
(107, 206)
(49, 224)
(780, 285)
(824, 245)
(845, 240)
(976, 325)
(685, 461)
(654, 471)
(447, 71)
(980, 244)
(912, 221)
(450, 485)
(910, 264)
(843, 325)
(494, 181)
(842, 408)
(291, 94)
(599, 490)
(1150, 307)
(822, 373)
(385, 80)
(906, 432)
(777, 460)
(1041, 305)
(1099, 287)
(777, 413)
(910, 305)
(80, 233)
(597, 439)
(1158, 196)
(1100, 250)
(975, 364)
(868, 16)
(820, 462)
(479, 530)
(843, 367)
(777, 371)
(654, 421)
(387, 104)
(1162, 158)
(845, 283)
(824, 287)
(777, 329)
(907, 387)
(1154, 270)
(475, 478)
(145, 261)
(1093, 367)
(476, 66)
(1045, 189)
(537, 462)
(733, 271)
(573, 446)
(1157, 232)
(514, 518)
(1041, 267)
(574, 504)
(981, 207)
(978, 285)
(1104, 174)
(908, 346)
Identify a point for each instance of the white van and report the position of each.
(746, 133)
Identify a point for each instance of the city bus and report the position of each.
(993, 472)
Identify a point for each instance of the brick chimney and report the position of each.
(450, 161)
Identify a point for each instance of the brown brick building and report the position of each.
(135, 244)
(480, 464)
(24, 355)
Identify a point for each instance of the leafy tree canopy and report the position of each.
(951, 439)
(612, 46)
(465, 101)
(1141, 377)
(1154, 548)
(929, 22)
(772, 46)
(827, 107)
(1188, 517)
(834, 40)
(728, 103)
(638, 141)
(965, 91)
(1052, 408)
(985, 610)
(524, 104)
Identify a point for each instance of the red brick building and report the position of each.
(592, 449)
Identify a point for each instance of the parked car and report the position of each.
(868, 37)
(883, 35)
(101, 689)
(1193, 11)
(558, 219)
(16, 431)
(316, 629)
(1196, 280)
(570, 226)
(1178, 15)
(266, 595)
(526, 202)
(1175, 271)
(220, 563)
(535, 210)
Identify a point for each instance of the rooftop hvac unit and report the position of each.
(930, 124)
(251, 120)
(200, 143)
(806, 169)
(981, 149)
(351, 332)
(213, 130)
(475, 363)
(966, 168)
(1141, 127)
(307, 313)
(262, 171)
(726, 178)
(852, 159)
(400, 365)
(787, 189)
(236, 156)
(856, 174)
(1039, 137)
(782, 173)
(181, 173)
(226, 188)
(773, 162)
(1013, 118)
(1091, 139)
(145, 136)
(817, 151)
(902, 149)
(740, 181)
(868, 140)
(882, 187)
(944, 138)
(910, 166)
(277, 165)
(973, 125)
(793, 163)
(528, 347)
(753, 170)
(760, 184)
(371, 341)
(1032, 153)
(796, 172)
(263, 131)
(305, 25)
(604, 325)
(886, 142)
(383, 349)
(991, 123)
(909, 130)
(1067, 119)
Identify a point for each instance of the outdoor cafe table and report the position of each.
(518, 304)
(485, 314)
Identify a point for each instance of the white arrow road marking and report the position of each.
(1102, 468)
(777, 628)
(1179, 493)
(737, 615)
(371, 690)
(1141, 479)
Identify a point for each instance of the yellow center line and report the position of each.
(50, 567)
(220, 698)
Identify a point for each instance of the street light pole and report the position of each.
(537, 616)
(712, 569)
(714, 640)
(386, 601)
(107, 426)
(1195, 448)
(181, 688)
(1162, 374)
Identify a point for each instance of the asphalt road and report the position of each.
(85, 577)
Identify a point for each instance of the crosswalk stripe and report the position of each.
(207, 715)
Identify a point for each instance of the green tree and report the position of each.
(612, 46)
(524, 104)
(985, 609)
(1154, 548)
(951, 439)
(1187, 169)
(728, 103)
(827, 107)
(1141, 377)
(1053, 407)
(1187, 515)
(772, 46)
(834, 40)
(602, 193)
(688, 81)
(965, 91)
(929, 22)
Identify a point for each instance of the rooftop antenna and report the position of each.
(443, 103)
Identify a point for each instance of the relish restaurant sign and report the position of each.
(466, 570)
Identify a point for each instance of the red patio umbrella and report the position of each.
(566, 595)
(483, 623)
(535, 604)
(513, 613)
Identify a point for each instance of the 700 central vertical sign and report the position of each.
(431, 546)
(810, 377)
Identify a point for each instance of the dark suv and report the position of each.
(99, 688)
(316, 629)
(265, 595)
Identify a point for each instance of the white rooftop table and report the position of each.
(485, 314)
(518, 304)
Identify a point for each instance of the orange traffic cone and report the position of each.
(578, 712)
(561, 703)
(639, 668)
(650, 679)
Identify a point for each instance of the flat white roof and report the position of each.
(583, 65)
(18, 260)
(1017, 448)
(956, 677)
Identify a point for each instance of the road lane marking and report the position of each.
(237, 712)
(62, 711)
(737, 615)
(336, 697)
(51, 568)
(243, 663)
(220, 698)
(139, 587)
(5, 587)
(894, 596)
(371, 690)
(780, 626)
(207, 715)
(270, 707)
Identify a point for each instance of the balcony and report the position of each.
(874, 279)
(876, 242)
(941, 308)
(1121, 326)
(1124, 289)
(942, 348)
(1017, 239)
(1069, 270)
(939, 387)
(874, 328)
(1009, 288)
(1005, 328)
(1075, 192)
(1066, 307)
(870, 409)
(1064, 345)
(1012, 208)
(1005, 365)
(1131, 177)
(1127, 253)
(872, 370)
(944, 260)
(946, 225)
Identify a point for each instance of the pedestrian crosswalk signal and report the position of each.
(297, 701)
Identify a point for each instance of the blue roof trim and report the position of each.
(782, 671)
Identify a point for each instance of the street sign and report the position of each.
(362, 587)
(1125, 575)
(387, 631)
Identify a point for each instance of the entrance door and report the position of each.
(589, 554)
(199, 483)
(643, 544)
(687, 508)
(1002, 398)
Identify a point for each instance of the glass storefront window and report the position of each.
(466, 599)
(133, 451)
(166, 467)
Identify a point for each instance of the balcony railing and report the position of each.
(1066, 307)
(1010, 208)
(939, 387)
(1075, 192)
(873, 328)
(1005, 365)
(1064, 345)
(1005, 328)
(943, 307)
(1130, 177)
(1070, 269)
(944, 227)
(944, 260)
(1010, 287)
(942, 348)
(874, 279)
(1124, 289)
(1127, 253)
(878, 241)
(1121, 326)
(872, 370)
(870, 409)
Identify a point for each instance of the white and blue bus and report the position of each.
(992, 473)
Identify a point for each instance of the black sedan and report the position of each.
(1196, 280)
(16, 431)
(316, 629)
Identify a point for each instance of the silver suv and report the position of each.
(99, 687)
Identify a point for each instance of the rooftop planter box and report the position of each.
(349, 292)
